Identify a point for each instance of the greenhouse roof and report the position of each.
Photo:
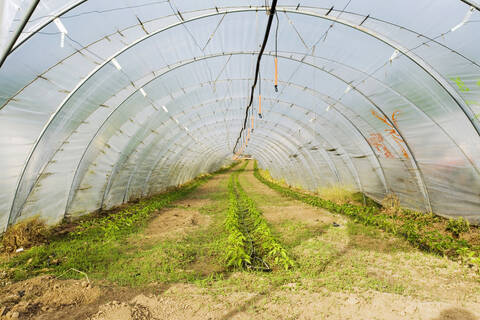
(106, 101)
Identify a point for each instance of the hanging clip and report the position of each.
(260, 106)
(394, 55)
(276, 74)
(465, 19)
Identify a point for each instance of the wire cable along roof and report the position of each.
(106, 101)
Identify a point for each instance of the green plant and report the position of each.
(251, 244)
(457, 226)
(236, 255)
(407, 223)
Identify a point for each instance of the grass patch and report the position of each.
(413, 226)
(292, 233)
(195, 257)
(338, 194)
(96, 244)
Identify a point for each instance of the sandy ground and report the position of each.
(189, 302)
(183, 216)
(48, 298)
(438, 289)
(69, 299)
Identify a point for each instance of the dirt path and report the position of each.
(345, 272)
(278, 209)
(184, 215)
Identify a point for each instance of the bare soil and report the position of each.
(44, 297)
(182, 217)
(191, 302)
(172, 223)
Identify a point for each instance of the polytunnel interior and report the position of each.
(103, 102)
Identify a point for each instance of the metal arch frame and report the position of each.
(201, 85)
(156, 143)
(396, 93)
(418, 172)
(231, 120)
(348, 161)
(351, 124)
(218, 55)
(390, 89)
(181, 111)
(235, 79)
(471, 3)
(142, 129)
(51, 119)
(303, 125)
(417, 60)
(8, 48)
(208, 155)
(108, 180)
(48, 21)
(161, 159)
(220, 122)
(385, 40)
(147, 132)
(355, 172)
(66, 10)
(287, 170)
(308, 160)
(172, 158)
(210, 164)
(137, 165)
(178, 153)
(79, 2)
(158, 159)
(325, 155)
(276, 152)
(414, 58)
(156, 78)
(145, 192)
(203, 166)
(126, 159)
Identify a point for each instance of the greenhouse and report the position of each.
(364, 110)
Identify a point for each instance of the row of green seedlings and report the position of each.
(412, 227)
(250, 244)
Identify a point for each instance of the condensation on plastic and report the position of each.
(386, 104)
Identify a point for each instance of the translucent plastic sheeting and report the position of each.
(13, 15)
(128, 98)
